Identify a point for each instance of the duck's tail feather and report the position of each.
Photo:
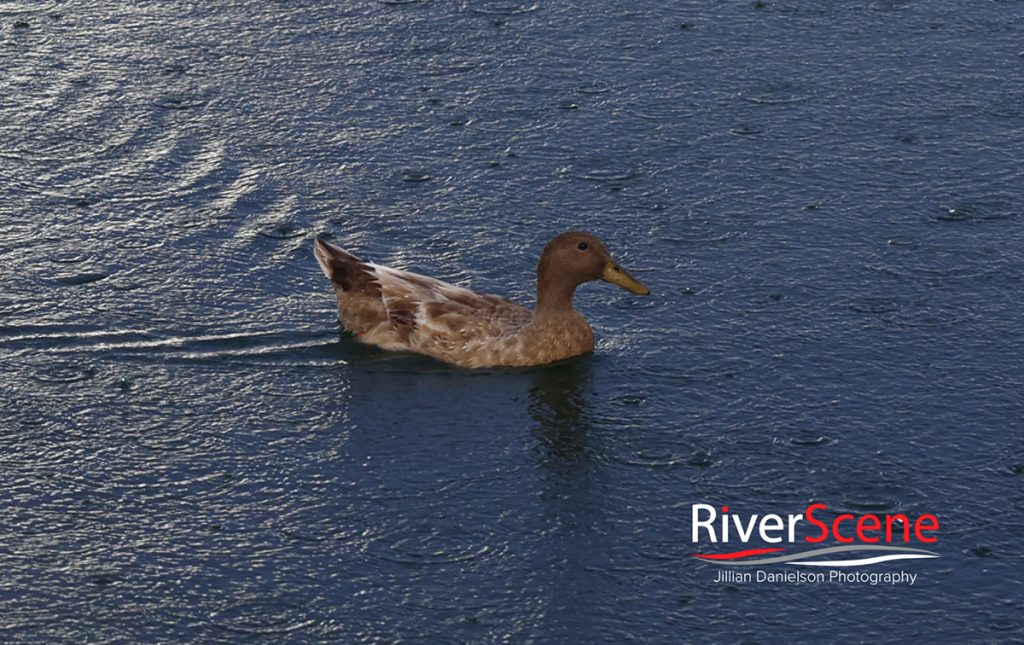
(345, 270)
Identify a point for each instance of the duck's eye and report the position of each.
(583, 246)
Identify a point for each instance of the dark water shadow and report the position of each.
(558, 405)
(573, 496)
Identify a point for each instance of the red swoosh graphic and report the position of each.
(735, 554)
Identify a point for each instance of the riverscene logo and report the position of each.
(863, 541)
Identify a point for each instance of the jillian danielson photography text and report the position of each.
(834, 576)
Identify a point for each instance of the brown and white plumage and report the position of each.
(404, 311)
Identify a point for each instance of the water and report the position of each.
(826, 202)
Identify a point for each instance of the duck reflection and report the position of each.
(558, 404)
(573, 497)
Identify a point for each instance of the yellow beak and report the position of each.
(613, 273)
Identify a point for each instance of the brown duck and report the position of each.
(402, 311)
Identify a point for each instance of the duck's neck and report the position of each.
(554, 297)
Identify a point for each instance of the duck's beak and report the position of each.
(616, 275)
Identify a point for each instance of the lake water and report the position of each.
(826, 200)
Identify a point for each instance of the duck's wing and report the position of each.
(402, 310)
(431, 315)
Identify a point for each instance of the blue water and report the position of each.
(826, 200)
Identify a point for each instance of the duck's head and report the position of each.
(576, 257)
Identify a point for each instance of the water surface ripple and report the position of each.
(825, 199)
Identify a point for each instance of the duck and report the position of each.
(398, 310)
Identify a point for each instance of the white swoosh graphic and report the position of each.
(863, 561)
